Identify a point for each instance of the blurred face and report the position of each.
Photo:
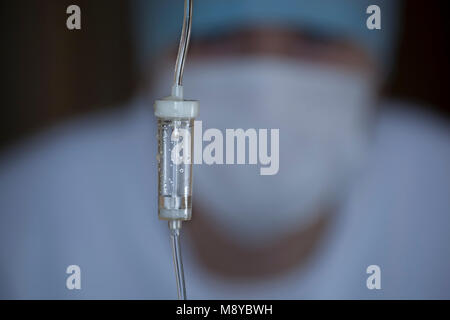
(283, 43)
(317, 91)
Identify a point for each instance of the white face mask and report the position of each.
(321, 115)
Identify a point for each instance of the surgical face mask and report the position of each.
(321, 115)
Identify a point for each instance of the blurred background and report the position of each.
(52, 74)
(85, 192)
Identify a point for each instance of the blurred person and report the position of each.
(361, 181)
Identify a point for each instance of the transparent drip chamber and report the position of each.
(175, 150)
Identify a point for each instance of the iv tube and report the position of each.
(177, 261)
(184, 43)
(175, 128)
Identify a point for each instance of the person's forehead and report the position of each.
(283, 43)
(265, 33)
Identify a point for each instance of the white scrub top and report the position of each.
(85, 194)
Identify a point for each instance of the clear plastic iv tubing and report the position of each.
(184, 43)
(177, 261)
(175, 225)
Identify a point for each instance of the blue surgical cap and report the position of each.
(158, 23)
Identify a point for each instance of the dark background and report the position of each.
(52, 74)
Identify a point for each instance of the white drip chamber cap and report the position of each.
(170, 108)
(175, 106)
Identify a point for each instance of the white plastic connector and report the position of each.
(175, 107)
(177, 91)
